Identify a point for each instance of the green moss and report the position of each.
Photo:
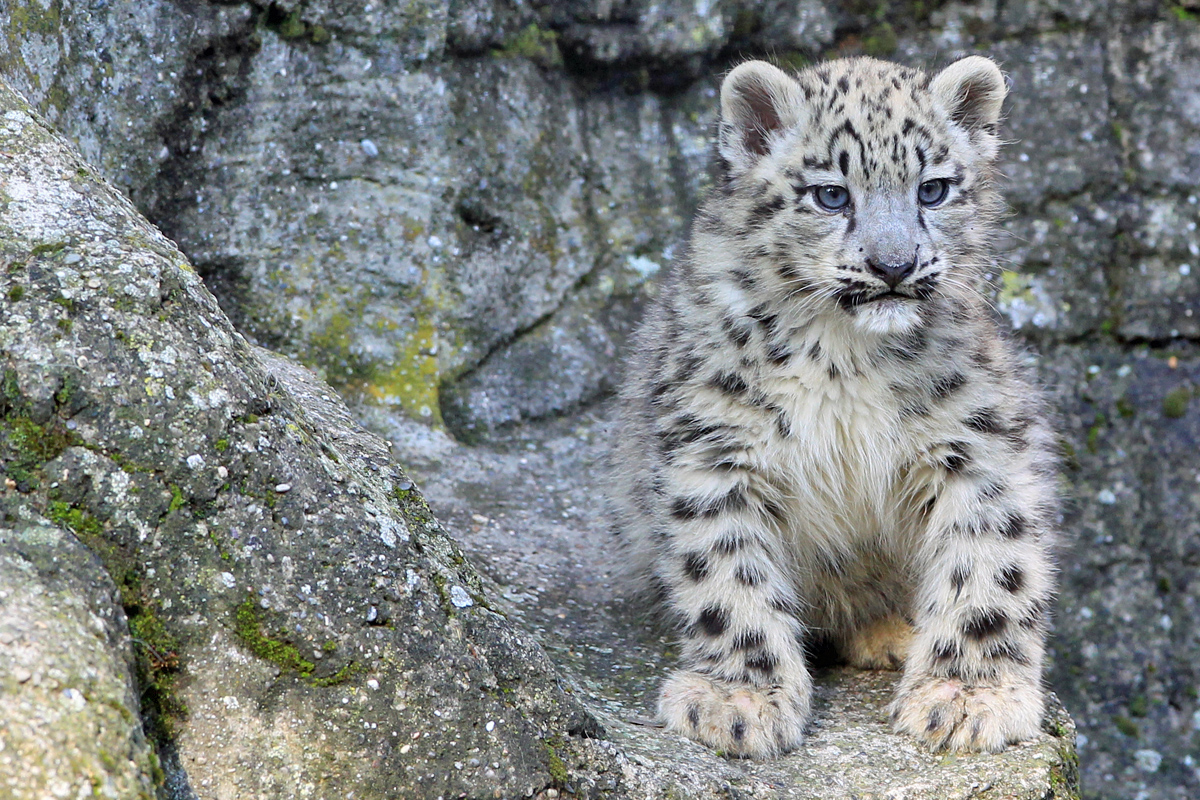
(554, 762)
(47, 249)
(1164, 584)
(221, 445)
(292, 27)
(341, 676)
(791, 60)
(10, 387)
(177, 499)
(15, 293)
(881, 41)
(1093, 435)
(1125, 408)
(413, 382)
(1126, 726)
(1175, 404)
(319, 34)
(66, 516)
(28, 446)
(329, 646)
(157, 649)
(534, 43)
(1185, 11)
(248, 627)
(1138, 706)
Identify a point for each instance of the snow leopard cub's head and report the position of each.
(857, 187)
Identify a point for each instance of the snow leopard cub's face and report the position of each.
(861, 188)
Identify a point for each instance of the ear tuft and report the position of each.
(972, 91)
(758, 101)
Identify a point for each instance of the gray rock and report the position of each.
(70, 721)
(1127, 648)
(135, 415)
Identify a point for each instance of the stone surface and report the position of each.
(301, 613)
(69, 709)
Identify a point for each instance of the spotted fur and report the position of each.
(823, 430)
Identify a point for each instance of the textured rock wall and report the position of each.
(454, 209)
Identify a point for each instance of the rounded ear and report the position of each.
(758, 101)
(971, 90)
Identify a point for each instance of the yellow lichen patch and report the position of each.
(411, 381)
(1013, 286)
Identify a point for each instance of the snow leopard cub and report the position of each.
(823, 431)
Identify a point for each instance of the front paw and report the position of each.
(948, 714)
(738, 719)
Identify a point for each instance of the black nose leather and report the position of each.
(891, 274)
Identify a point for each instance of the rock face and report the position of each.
(452, 210)
(300, 619)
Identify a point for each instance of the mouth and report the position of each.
(851, 301)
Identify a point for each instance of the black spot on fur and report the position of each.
(685, 508)
(688, 429)
(738, 730)
(713, 620)
(764, 211)
(945, 651)
(986, 420)
(748, 575)
(992, 490)
(1011, 578)
(730, 383)
(985, 624)
(768, 321)
(1006, 651)
(744, 279)
(844, 162)
(736, 333)
(779, 354)
(686, 367)
(729, 544)
(958, 579)
(695, 566)
(1014, 526)
(1035, 618)
(693, 716)
(936, 717)
(958, 459)
(749, 640)
(947, 385)
(764, 662)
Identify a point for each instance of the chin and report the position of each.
(888, 315)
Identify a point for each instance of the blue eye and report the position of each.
(832, 198)
(932, 193)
